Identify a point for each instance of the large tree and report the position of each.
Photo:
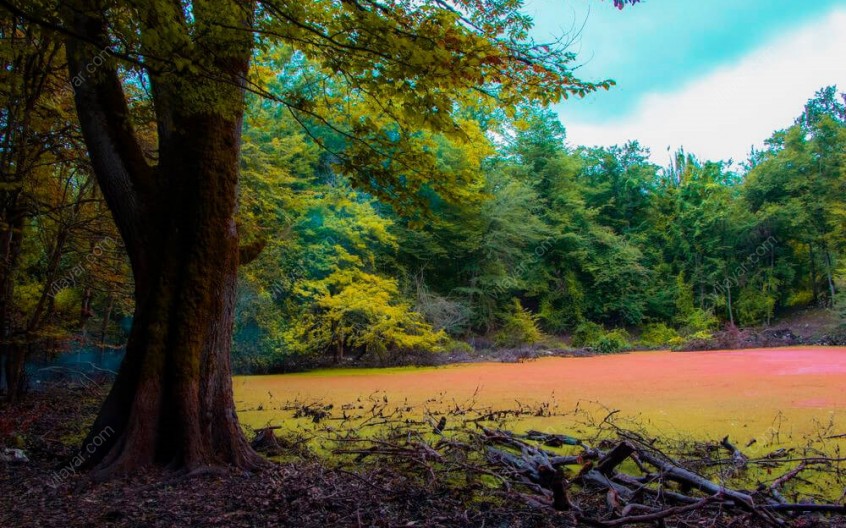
(396, 68)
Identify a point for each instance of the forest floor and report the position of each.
(409, 487)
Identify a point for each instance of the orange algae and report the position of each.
(780, 394)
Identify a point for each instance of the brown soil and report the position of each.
(304, 493)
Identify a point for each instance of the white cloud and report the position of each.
(723, 114)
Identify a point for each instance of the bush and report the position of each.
(703, 335)
(754, 307)
(613, 341)
(455, 347)
(562, 307)
(443, 313)
(659, 335)
(587, 333)
(800, 298)
(699, 321)
(553, 319)
(354, 311)
(592, 335)
(519, 327)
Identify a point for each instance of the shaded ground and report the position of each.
(818, 327)
(304, 493)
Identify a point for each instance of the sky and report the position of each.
(715, 77)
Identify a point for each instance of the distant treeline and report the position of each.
(406, 242)
(553, 239)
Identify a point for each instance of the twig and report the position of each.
(656, 516)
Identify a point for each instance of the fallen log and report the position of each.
(678, 474)
(651, 517)
(597, 479)
(662, 495)
(608, 463)
(553, 440)
(807, 508)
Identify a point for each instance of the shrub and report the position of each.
(592, 335)
(443, 313)
(699, 321)
(754, 306)
(702, 335)
(587, 333)
(800, 298)
(354, 311)
(553, 319)
(455, 347)
(519, 327)
(613, 341)
(562, 307)
(659, 335)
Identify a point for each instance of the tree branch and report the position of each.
(123, 173)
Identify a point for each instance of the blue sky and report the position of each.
(696, 73)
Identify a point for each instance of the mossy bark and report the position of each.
(172, 402)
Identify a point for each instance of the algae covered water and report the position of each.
(759, 397)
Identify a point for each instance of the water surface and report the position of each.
(754, 394)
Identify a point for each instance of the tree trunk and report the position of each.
(12, 237)
(728, 302)
(339, 347)
(829, 273)
(85, 314)
(813, 272)
(32, 59)
(15, 371)
(171, 403)
(172, 400)
(107, 317)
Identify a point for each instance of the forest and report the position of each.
(523, 236)
(219, 188)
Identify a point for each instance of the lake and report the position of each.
(773, 396)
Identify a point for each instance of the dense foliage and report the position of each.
(63, 272)
(558, 239)
(384, 231)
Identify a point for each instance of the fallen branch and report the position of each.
(684, 476)
(655, 516)
(740, 460)
(782, 480)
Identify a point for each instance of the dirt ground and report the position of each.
(303, 493)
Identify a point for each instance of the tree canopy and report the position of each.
(359, 179)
